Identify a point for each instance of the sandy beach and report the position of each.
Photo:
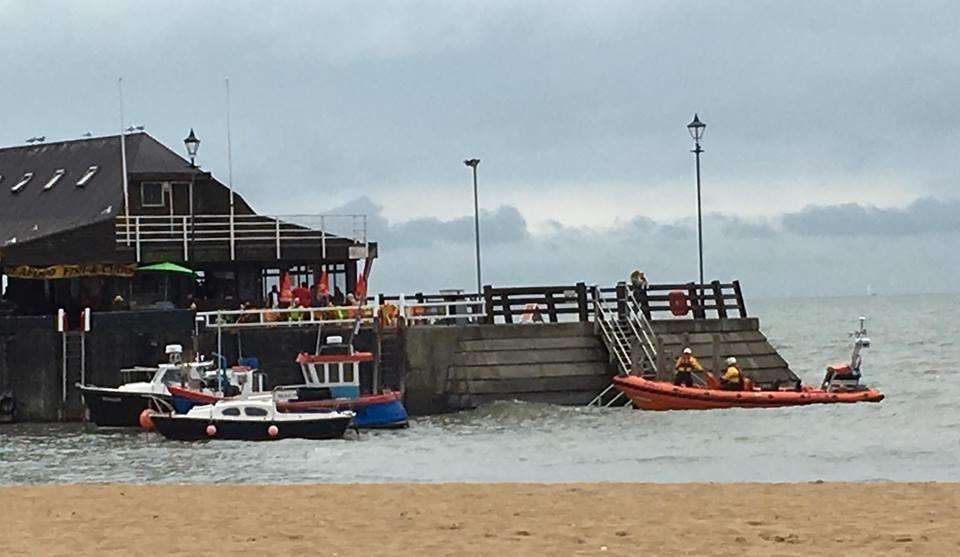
(483, 519)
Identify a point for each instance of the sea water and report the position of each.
(913, 435)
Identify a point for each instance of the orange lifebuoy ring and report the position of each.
(678, 303)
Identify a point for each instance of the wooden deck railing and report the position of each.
(186, 233)
(549, 302)
(712, 300)
(518, 304)
(715, 299)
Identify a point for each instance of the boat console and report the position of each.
(846, 377)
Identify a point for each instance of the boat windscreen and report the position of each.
(170, 376)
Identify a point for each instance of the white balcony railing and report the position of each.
(278, 232)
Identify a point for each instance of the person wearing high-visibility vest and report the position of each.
(732, 378)
(687, 363)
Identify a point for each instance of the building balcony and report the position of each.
(261, 238)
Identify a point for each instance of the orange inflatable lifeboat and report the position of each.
(840, 385)
(656, 395)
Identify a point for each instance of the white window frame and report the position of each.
(164, 192)
(54, 179)
(87, 176)
(27, 176)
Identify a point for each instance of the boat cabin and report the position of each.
(245, 409)
(336, 367)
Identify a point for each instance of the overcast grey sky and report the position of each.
(830, 145)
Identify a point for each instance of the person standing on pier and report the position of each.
(638, 281)
(687, 363)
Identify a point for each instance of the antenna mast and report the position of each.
(123, 157)
(230, 172)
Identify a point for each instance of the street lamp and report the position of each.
(472, 163)
(696, 128)
(192, 143)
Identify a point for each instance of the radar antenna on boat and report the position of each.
(846, 377)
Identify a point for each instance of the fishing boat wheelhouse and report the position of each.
(333, 378)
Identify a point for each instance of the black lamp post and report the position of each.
(696, 128)
(192, 143)
(472, 163)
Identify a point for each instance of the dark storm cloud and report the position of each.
(506, 225)
(926, 215)
(373, 95)
(336, 101)
(502, 225)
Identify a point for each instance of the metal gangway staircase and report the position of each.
(629, 339)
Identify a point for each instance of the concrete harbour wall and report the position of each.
(455, 368)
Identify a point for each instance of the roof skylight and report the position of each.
(87, 176)
(23, 182)
(54, 179)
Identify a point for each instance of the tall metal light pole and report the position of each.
(696, 128)
(472, 163)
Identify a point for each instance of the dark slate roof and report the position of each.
(32, 212)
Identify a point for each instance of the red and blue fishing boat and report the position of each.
(331, 382)
(333, 378)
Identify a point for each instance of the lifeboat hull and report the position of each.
(656, 395)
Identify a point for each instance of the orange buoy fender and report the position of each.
(679, 305)
(146, 422)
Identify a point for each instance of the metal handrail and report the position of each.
(613, 341)
(410, 313)
(642, 330)
(244, 318)
(185, 230)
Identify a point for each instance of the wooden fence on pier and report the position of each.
(715, 300)
(514, 304)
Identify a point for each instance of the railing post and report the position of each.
(186, 248)
(488, 303)
(233, 248)
(718, 296)
(276, 222)
(505, 302)
(323, 239)
(551, 307)
(696, 305)
(582, 307)
(136, 224)
(621, 299)
(739, 294)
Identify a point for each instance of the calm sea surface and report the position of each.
(913, 435)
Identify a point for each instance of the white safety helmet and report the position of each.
(687, 351)
(731, 361)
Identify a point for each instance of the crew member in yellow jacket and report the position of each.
(732, 379)
(687, 363)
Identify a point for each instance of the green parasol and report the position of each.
(166, 267)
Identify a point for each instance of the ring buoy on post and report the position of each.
(679, 304)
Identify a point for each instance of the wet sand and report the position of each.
(483, 519)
